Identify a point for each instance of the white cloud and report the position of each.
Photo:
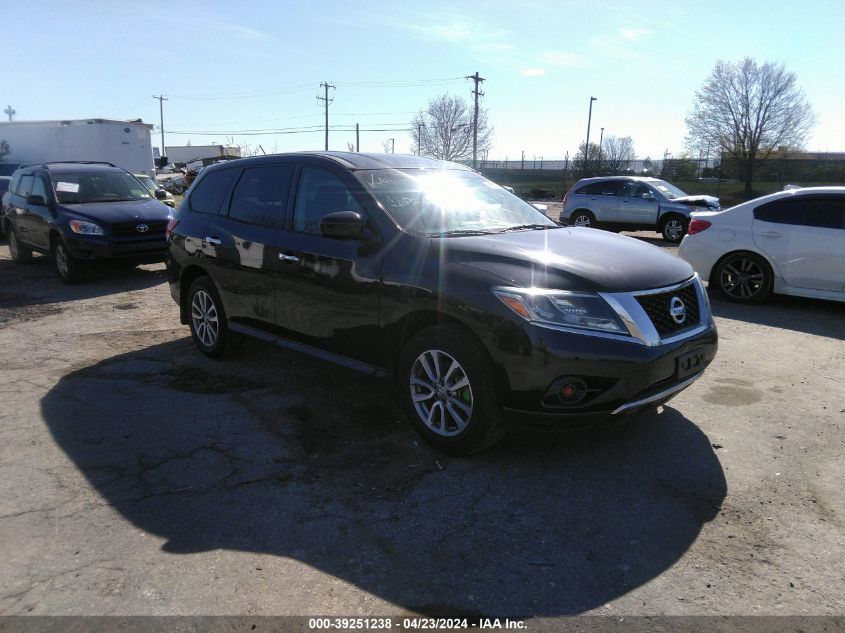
(634, 34)
(532, 72)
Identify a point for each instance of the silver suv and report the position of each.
(632, 203)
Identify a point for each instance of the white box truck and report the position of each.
(123, 143)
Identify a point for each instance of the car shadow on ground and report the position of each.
(278, 453)
(36, 282)
(811, 316)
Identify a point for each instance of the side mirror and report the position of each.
(161, 194)
(649, 196)
(35, 200)
(342, 224)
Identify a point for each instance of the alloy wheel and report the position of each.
(13, 245)
(742, 278)
(582, 220)
(204, 318)
(441, 393)
(61, 261)
(674, 230)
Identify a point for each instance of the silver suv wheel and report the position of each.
(441, 393)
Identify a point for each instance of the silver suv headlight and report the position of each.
(585, 310)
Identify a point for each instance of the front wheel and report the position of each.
(20, 253)
(744, 278)
(449, 391)
(208, 323)
(673, 229)
(68, 267)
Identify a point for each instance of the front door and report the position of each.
(805, 237)
(634, 208)
(329, 287)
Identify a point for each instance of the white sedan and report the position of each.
(791, 242)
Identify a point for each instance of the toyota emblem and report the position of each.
(142, 228)
(677, 310)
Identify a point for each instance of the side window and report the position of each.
(261, 195)
(821, 211)
(607, 188)
(25, 187)
(38, 188)
(16, 181)
(633, 189)
(211, 191)
(320, 193)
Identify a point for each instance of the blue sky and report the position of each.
(229, 67)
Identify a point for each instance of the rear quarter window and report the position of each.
(211, 191)
(609, 188)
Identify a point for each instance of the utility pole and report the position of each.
(522, 161)
(477, 79)
(357, 139)
(325, 99)
(587, 144)
(419, 139)
(392, 146)
(601, 139)
(163, 157)
(10, 111)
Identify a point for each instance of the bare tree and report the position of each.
(617, 153)
(592, 158)
(444, 129)
(747, 111)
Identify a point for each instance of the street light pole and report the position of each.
(587, 144)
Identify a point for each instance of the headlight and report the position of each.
(584, 310)
(85, 228)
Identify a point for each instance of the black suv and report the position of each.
(80, 212)
(482, 309)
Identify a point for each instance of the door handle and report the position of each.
(213, 241)
(770, 234)
(293, 259)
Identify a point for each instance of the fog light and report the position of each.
(569, 390)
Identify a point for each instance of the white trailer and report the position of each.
(123, 143)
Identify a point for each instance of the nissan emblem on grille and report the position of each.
(677, 310)
(142, 228)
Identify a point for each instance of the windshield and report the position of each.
(147, 182)
(441, 202)
(667, 189)
(101, 186)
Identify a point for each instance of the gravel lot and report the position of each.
(138, 477)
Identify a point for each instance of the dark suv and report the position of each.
(482, 309)
(80, 212)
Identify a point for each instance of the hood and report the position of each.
(570, 258)
(698, 201)
(115, 212)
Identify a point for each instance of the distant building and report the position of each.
(182, 155)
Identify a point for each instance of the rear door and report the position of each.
(633, 208)
(805, 237)
(329, 287)
(239, 244)
(19, 210)
(603, 200)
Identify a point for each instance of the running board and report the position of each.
(322, 354)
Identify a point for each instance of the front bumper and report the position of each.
(93, 248)
(622, 374)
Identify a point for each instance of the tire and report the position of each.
(206, 318)
(68, 268)
(673, 228)
(460, 421)
(582, 218)
(743, 277)
(20, 253)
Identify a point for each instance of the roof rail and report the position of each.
(65, 162)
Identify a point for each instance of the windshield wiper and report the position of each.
(522, 227)
(458, 232)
